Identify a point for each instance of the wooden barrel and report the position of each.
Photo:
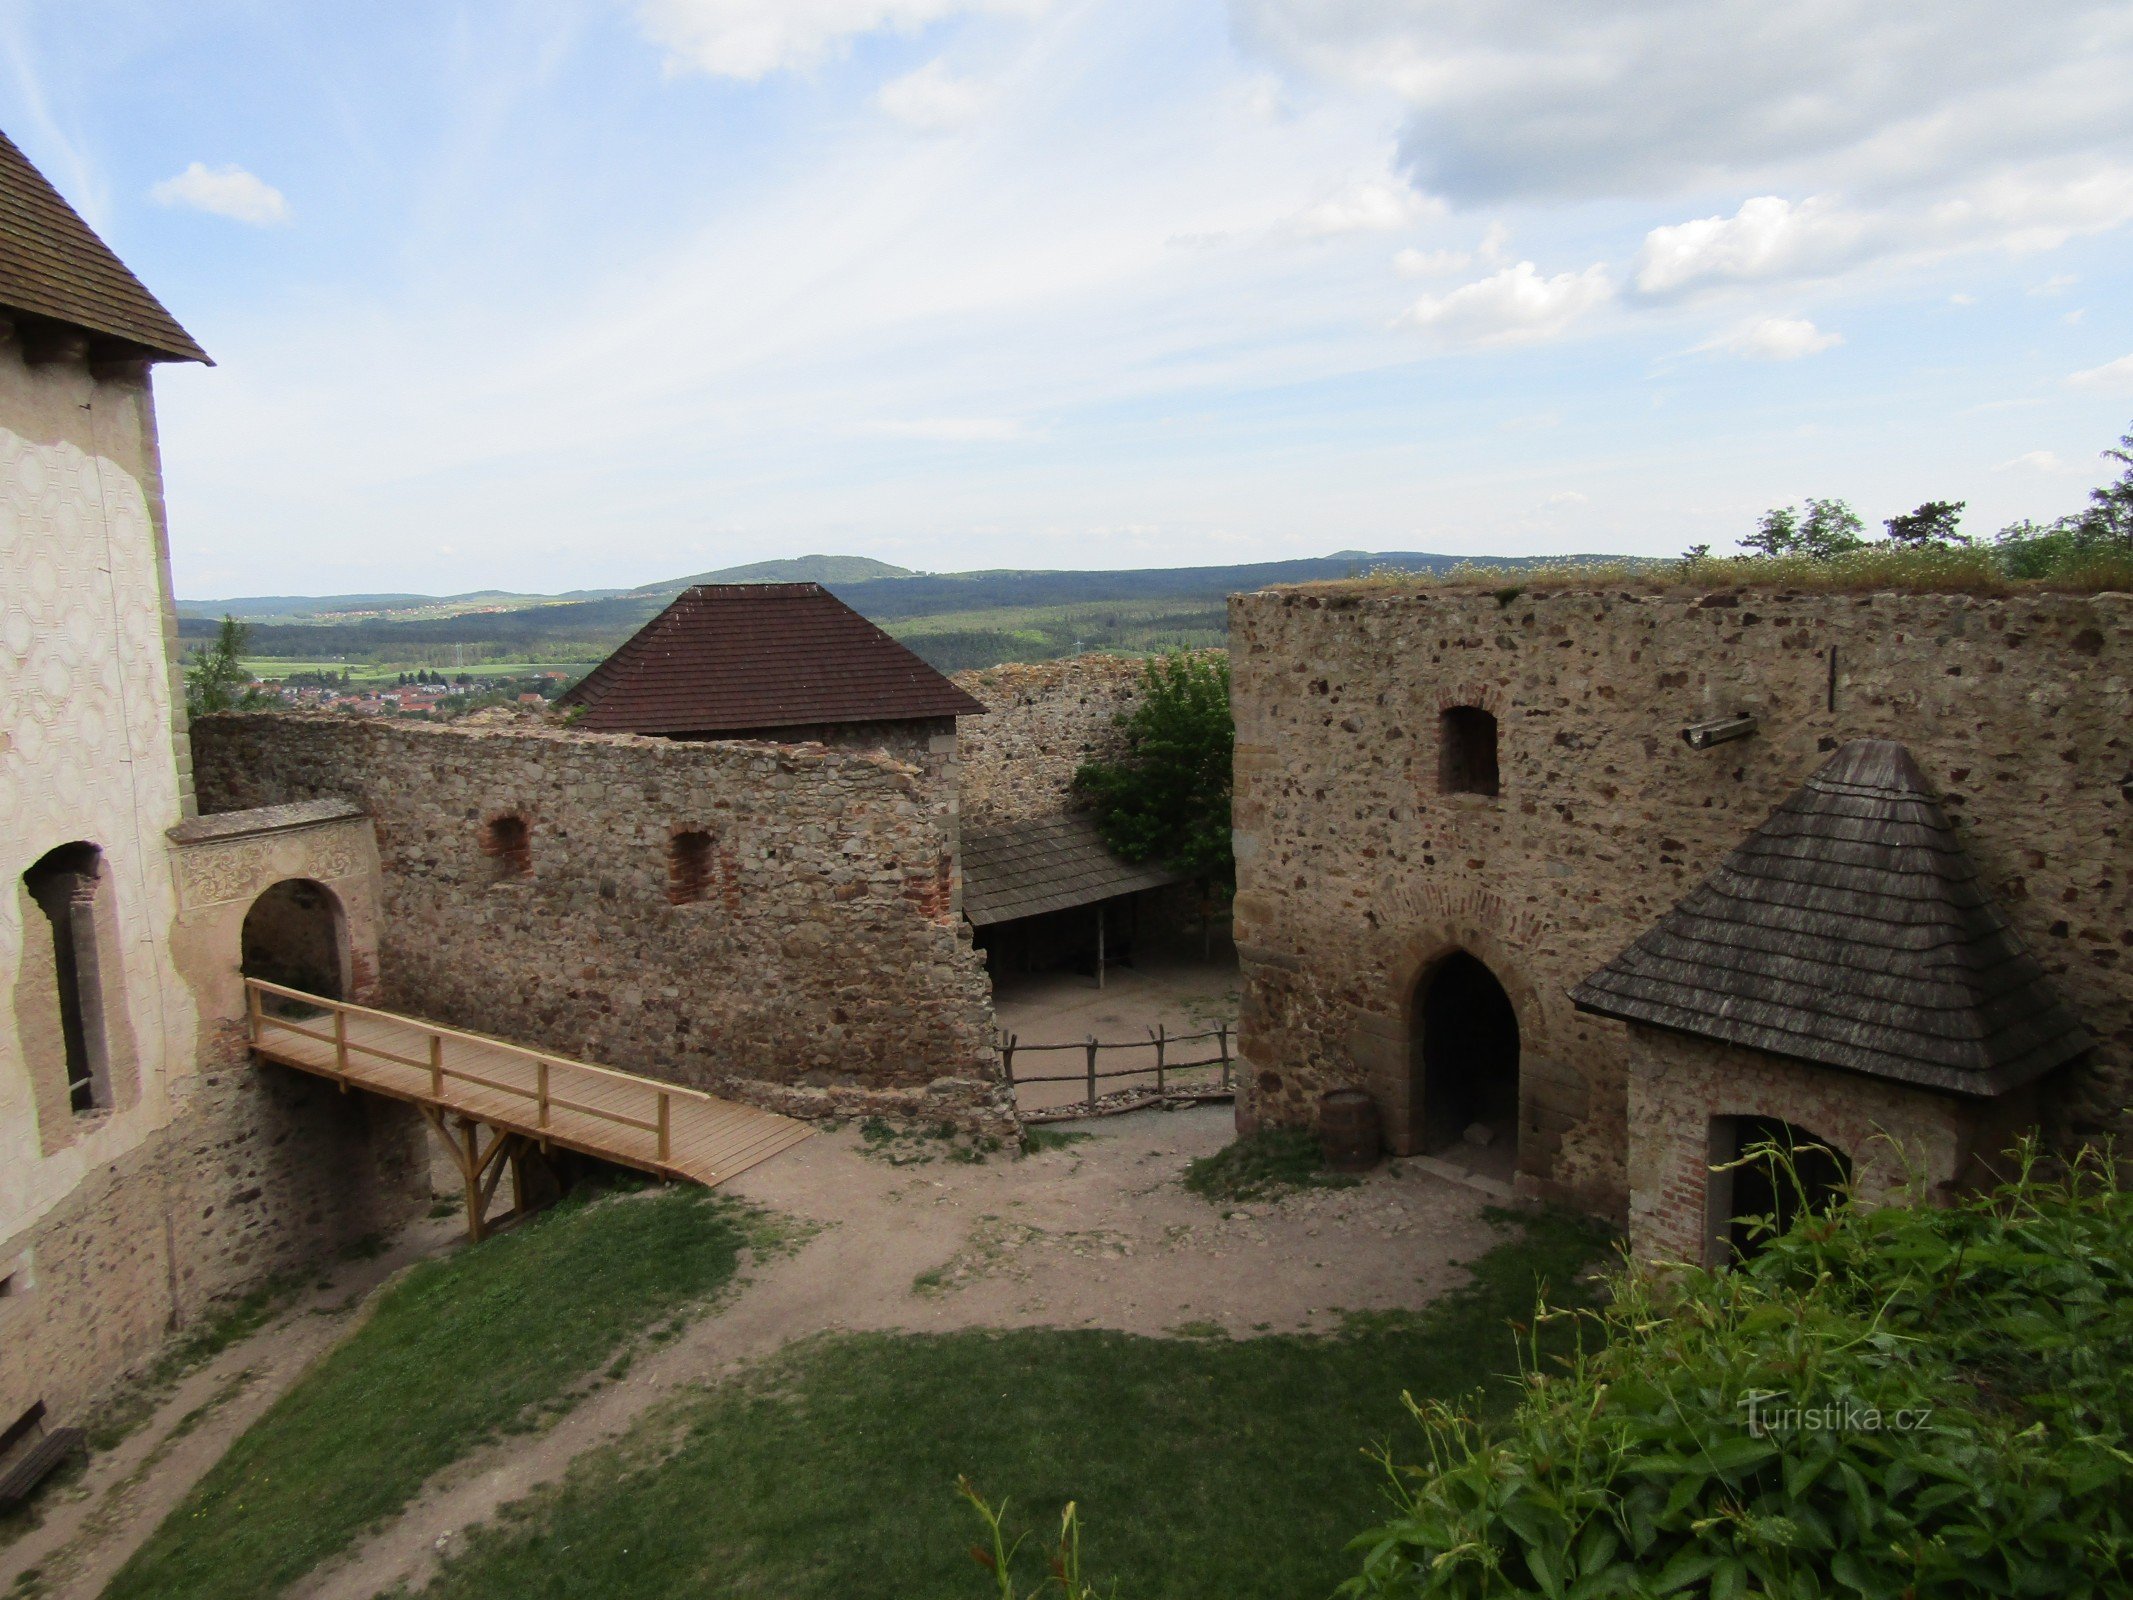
(1348, 1132)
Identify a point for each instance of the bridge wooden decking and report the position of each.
(525, 1096)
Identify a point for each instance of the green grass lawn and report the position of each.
(493, 1338)
(1203, 1467)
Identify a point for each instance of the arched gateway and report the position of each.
(1463, 1060)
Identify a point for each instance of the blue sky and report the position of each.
(562, 293)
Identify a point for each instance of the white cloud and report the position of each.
(932, 98)
(1768, 237)
(1514, 306)
(2033, 461)
(1559, 98)
(1773, 339)
(750, 39)
(225, 192)
(2057, 283)
(952, 430)
(2113, 377)
(1379, 205)
(1437, 263)
(1962, 299)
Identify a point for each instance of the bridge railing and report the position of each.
(553, 1075)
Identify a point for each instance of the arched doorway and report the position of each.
(1463, 1057)
(1791, 1173)
(293, 935)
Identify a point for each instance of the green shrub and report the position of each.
(1905, 1402)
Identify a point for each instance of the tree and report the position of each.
(1167, 796)
(1828, 528)
(2109, 518)
(216, 678)
(1931, 527)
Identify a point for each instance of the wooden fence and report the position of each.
(1159, 1040)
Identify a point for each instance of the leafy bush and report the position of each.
(1167, 798)
(1904, 1402)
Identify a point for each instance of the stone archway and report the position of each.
(1765, 1170)
(1463, 1063)
(296, 934)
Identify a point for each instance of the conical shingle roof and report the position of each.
(1852, 930)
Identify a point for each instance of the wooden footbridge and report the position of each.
(527, 1098)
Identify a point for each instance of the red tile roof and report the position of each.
(52, 265)
(744, 657)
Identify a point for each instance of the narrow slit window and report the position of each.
(689, 867)
(1467, 751)
(64, 886)
(508, 843)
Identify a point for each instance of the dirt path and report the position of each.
(1097, 1234)
(90, 1530)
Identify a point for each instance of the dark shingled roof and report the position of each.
(1851, 930)
(731, 658)
(1020, 869)
(52, 265)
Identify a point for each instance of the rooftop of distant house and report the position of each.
(58, 278)
(737, 658)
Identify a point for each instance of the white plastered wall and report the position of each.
(86, 737)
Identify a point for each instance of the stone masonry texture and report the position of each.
(1048, 717)
(819, 967)
(1356, 875)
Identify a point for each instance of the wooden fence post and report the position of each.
(663, 1125)
(1159, 1032)
(1091, 1038)
(1222, 1033)
(340, 1043)
(437, 1066)
(540, 1073)
(254, 1011)
(1007, 1060)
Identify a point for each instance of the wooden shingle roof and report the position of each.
(1851, 930)
(1022, 869)
(53, 265)
(731, 658)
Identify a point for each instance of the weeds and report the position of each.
(1264, 1165)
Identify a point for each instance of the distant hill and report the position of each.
(957, 619)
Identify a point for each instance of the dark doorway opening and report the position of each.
(1465, 1061)
(292, 936)
(1798, 1173)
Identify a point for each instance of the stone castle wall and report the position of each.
(258, 1170)
(1047, 718)
(817, 962)
(1356, 874)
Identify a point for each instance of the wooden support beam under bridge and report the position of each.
(527, 1098)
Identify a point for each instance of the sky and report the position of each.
(552, 294)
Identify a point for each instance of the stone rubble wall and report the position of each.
(1046, 718)
(1356, 874)
(825, 962)
(259, 1171)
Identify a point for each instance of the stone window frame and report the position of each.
(692, 868)
(75, 1004)
(507, 842)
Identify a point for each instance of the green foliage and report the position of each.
(1931, 526)
(1908, 1402)
(1826, 528)
(216, 678)
(496, 1338)
(1199, 1467)
(2109, 518)
(1167, 797)
(1261, 1165)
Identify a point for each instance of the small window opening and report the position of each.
(689, 867)
(1466, 743)
(64, 886)
(7, 1287)
(508, 842)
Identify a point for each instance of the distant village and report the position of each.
(421, 695)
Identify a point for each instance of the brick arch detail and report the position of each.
(1488, 696)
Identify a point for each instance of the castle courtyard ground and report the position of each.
(889, 1235)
